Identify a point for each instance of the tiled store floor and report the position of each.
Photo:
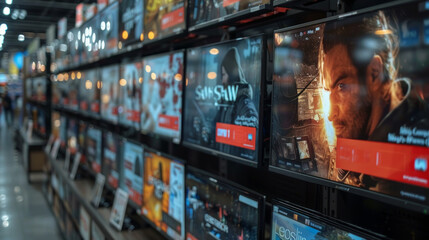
(24, 212)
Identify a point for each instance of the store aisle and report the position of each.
(24, 213)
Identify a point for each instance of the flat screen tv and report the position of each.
(72, 81)
(109, 93)
(39, 89)
(108, 30)
(350, 103)
(163, 19)
(164, 194)
(74, 45)
(130, 22)
(93, 148)
(162, 95)
(223, 98)
(206, 13)
(218, 209)
(132, 158)
(292, 222)
(112, 165)
(72, 135)
(81, 139)
(130, 94)
(90, 39)
(89, 93)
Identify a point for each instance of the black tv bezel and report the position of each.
(262, 85)
(119, 158)
(128, 42)
(102, 116)
(121, 66)
(162, 35)
(122, 173)
(241, 190)
(313, 215)
(249, 12)
(89, 163)
(383, 197)
(172, 159)
(102, 53)
(157, 135)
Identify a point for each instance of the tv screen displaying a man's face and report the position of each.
(222, 97)
(355, 91)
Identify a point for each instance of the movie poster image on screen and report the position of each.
(162, 95)
(93, 148)
(109, 93)
(361, 127)
(288, 224)
(204, 12)
(130, 94)
(163, 19)
(216, 210)
(89, 94)
(109, 30)
(133, 171)
(111, 159)
(223, 97)
(39, 89)
(130, 21)
(164, 194)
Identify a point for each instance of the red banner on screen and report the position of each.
(115, 111)
(239, 136)
(113, 181)
(95, 107)
(96, 167)
(135, 196)
(226, 3)
(401, 163)
(170, 122)
(173, 18)
(133, 116)
(84, 106)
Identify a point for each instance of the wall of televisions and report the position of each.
(247, 119)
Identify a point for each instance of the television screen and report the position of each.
(130, 21)
(93, 148)
(41, 60)
(55, 124)
(39, 121)
(59, 93)
(206, 12)
(218, 210)
(162, 95)
(72, 82)
(109, 93)
(109, 30)
(90, 39)
(111, 159)
(164, 194)
(72, 134)
(75, 45)
(289, 222)
(133, 171)
(162, 19)
(39, 89)
(223, 83)
(350, 103)
(130, 94)
(89, 93)
(63, 132)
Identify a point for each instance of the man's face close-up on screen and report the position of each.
(349, 100)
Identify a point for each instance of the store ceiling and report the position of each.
(40, 15)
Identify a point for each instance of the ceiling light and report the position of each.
(15, 14)
(3, 26)
(21, 37)
(9, 2)
(6, 11)
(2, 31)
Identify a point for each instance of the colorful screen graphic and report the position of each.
(93, 148)
(133, 171)
(164, 194)
(350, 102)
(162, 19)
(130, 94)
(130, 21)
(109, 93)
(111, 159)
(89, 94)
(162, 95)
(223, 96)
